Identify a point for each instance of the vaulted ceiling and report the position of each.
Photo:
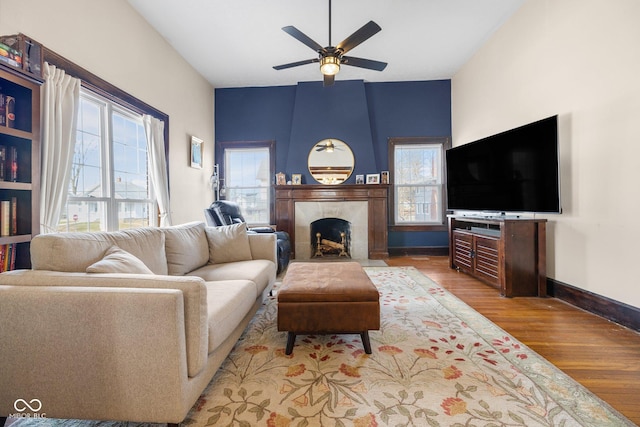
(235, 43)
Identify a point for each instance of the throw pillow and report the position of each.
(228, 243)
(187, 248)
(116, 260)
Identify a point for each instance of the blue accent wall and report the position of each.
(364, 115)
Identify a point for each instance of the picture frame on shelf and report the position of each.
(373, 178)
(384, 177)
(296, 178)
(359, 179)
(281, 178)
(196, 152)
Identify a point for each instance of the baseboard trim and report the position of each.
(602, 306)
(420, 250)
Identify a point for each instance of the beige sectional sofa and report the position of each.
(129, 325)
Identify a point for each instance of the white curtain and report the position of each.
(60, 99)
(154, 129)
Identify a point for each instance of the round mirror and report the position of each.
(331, 161)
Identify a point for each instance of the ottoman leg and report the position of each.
(366, 342)
(291, 339)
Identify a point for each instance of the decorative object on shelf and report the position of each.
(359, 179)
(373, 178)
(215, 182)
(196, 152)
(330, 161)
(384, 177)
(21, 52)
(296, 178)
(281, 178)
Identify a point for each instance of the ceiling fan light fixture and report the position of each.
(329, 65)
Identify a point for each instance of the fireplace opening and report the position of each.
(330, 237)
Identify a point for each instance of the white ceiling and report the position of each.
(235, 43)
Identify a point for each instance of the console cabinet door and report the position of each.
(487, 260)
(463, 251)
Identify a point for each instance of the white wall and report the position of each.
(579, 59)
(110, 39)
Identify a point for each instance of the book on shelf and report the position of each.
(8, 257)
(9, 217)
(3, 108)
(14, 216)
(13, 159)
(8, 163)
(3, 162)
(7, 110)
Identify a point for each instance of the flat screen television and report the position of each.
(513, 171)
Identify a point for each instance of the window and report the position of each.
(109, 188)
(247, 171)
(417, 171)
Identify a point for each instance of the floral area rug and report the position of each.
(435, 362)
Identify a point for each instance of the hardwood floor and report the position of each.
(599, 354)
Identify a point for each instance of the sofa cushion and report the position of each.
(116, 260)
(186, 247)
(228, 303)
(260, 271)
(74, 252)
(228, 243)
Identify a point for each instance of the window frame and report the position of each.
(95, 84)
(271, 146)
(393, 142)
(107, 110)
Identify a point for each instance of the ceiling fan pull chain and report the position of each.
(330, 23)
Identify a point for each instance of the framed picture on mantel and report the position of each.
(373, 178)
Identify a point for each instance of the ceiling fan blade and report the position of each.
(366, 31)
(295, 64)
(302, 37)
(363, 63)
(329, 79)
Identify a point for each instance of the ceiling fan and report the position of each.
(329, 146)
(331, 57)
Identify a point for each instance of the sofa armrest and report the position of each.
(71, 347)
(264, 246)
(193, 292)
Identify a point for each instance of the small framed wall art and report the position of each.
(373, 178)
(196, 152)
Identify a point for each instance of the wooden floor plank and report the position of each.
(601, 355)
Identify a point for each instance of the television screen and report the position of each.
(513, 171)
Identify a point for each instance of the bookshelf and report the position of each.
(20, 134)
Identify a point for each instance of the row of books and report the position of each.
(8, 163)
(8, 257)
(9, 217)
(7, 110)
(10, 56)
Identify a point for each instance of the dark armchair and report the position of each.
(225, 212)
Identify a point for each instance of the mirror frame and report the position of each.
(330, 167)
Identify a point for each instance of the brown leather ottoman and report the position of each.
(326, 298)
